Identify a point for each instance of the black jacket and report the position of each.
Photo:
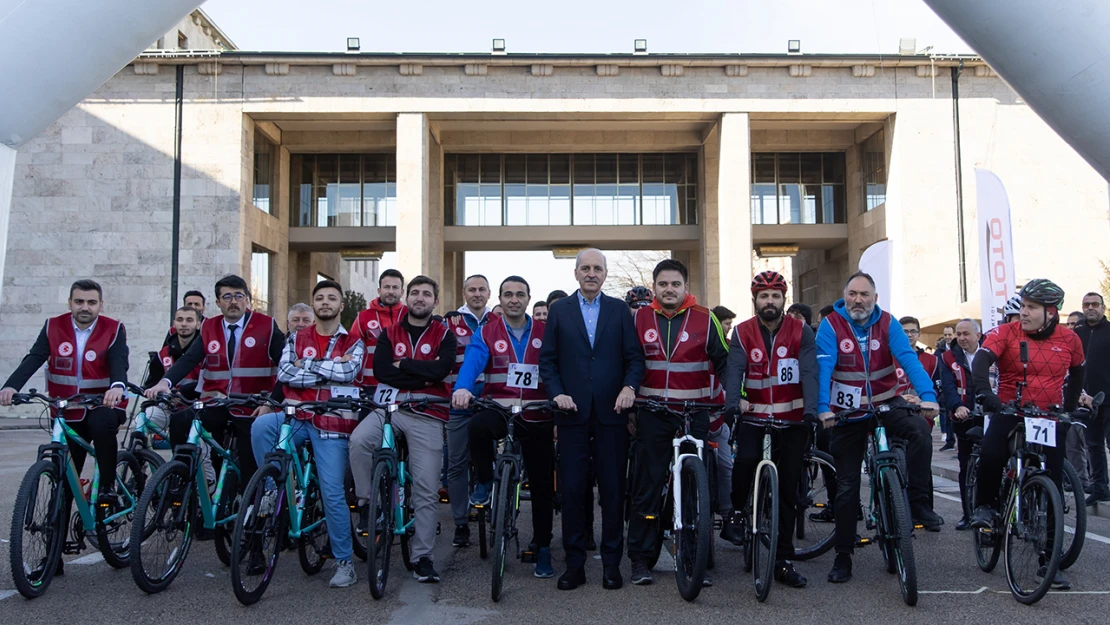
(1096, 348)
(409, 374)
(949, 390)
(117, 360)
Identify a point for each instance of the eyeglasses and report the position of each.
(913, 332)
(233, 297)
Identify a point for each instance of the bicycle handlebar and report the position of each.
(32, 396)
(508, 410)
(680, 409)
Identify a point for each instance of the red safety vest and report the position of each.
(252, 372)
(496, 336)
(958, 372)
(687, 373)
(368, 326)
(167, 362)
(773, 381)
(928, 362)
(877, 378)
(305, 346)
(463, 334)
(62, 377)
(426, 348)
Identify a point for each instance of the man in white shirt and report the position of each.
(958, 394)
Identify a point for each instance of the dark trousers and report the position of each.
(216, 421)
(608, 452)
(963, 454)
(848, 445)
(99, 427)
(821, 442)
(995, 452)
(788, 447)
(1098, 436)
(655, 432)
(538, 448)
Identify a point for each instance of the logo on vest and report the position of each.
(685, 337)
(537, 343)
(373, 324)
(90, 356)
(757, 355)
(309, 352)
(781, 351)
(501, 346)
(874, 345)
(900, 372)
(651, 336)
(956, 367)
(846, 346)
(425, 349)
(167, 361)
(249, 341)
(213, 346)
(65, 349)
(461, 331)
(399, 350)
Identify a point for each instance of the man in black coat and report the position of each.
(591, 364)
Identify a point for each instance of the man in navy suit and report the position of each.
(591, 364)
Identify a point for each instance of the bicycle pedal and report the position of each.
(528, 557)
(918, 526)
(862, 542)
(72, 548)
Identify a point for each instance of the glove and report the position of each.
(991, 402)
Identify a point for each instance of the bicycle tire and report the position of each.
(483, 544)
(504, 525)
(161, 503)
(380, 543)
(149, 463)
(407, 514)
(988, 548)
(227, 507)
(691, 543)
(766, 535)
(253, 531)
(358, 541)
(1075, 511)
(29, 501)
(1047, 498)
(311, 545)
(814, 538)
(114, 538)
(714, 507)
(901, 540)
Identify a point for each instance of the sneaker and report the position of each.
(483, 492)
(785, 574)
(424, 573)
(824, 516)
(544, 569)
(344, 574)
(641, 576)
(1095, 498)
(842, 569)
(732, 529)
(1059, 582)
(983, 517)
(924, 515)
(462, 536)
(708, 580)
(363, 527)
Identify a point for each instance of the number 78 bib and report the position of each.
(523, 376)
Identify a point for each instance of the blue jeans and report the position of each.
(331, 468)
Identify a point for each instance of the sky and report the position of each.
(579, 26)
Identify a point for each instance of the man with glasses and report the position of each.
(239, 352)
(912, 328)
(1094, 333)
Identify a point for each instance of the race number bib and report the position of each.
(345, 391)
(789, 372)
(523, 376)
(844, 396)
(385, 394)
(1040, 431)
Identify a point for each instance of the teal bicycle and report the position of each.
(39, 521)
(176, 503)
(281, 501)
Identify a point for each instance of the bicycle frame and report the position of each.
(676, 468)
(296, 468)
(397, 466)
(140, 435)
(188, 453)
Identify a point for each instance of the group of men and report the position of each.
(593, 360)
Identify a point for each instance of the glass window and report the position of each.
(343, 190)
(265, 155)
(873, 168)
(797, 188)
(260, 280)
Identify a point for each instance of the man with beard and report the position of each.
(413, 359)
(382, 314)
(1094, 333)
(238, 352)
(773, 358)
(684, 348)
(858, 346)
(317, 362)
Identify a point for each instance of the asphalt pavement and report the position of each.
(952, 587)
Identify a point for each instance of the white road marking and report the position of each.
(92, 558)
(984, 589)
(4, 594)
(1092, 536)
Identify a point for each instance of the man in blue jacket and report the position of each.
(959, 398)
(859, 347)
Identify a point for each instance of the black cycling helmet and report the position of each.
(638, 297)
(1044, 292)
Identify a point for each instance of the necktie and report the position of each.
(231, 345)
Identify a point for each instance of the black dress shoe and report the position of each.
(572, 579)
(963, 525)
(612, 579)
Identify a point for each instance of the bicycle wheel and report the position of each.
(814, 529)
(380, 517)
(504, 525)
(714, 504)
(163, 533)
(38, 529)
(483, 546)
(691, 542)
(227, 509)
(404, 494)
(312, 545)
(1030, 562)
(899, 543)
(764, 540)
(988, 547)
(113, 531)
(359, 540)
(260, 529)
(1075, 516)
(149, 463)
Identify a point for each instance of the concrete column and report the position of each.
(449, 291)
(726, 258)
(7, 176)
(414, 241)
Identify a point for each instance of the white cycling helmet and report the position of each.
(1012, 307)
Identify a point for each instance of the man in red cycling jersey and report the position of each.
(1053, 376)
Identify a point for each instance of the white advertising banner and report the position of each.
(996, 248)
(875, 260)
